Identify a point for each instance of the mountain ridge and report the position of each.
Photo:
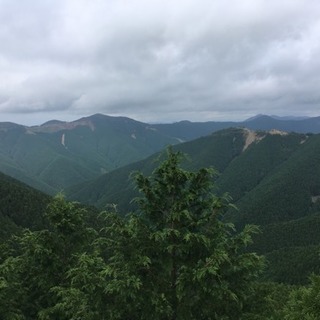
(274, 181)
(206, 151)
(273, 177)
(58, 154)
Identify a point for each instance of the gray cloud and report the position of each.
(159, 60)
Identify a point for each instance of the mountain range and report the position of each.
(273, 178)
(270, 167)
(248, 162)
(56, 155)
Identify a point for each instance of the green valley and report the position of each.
(145, 214)
(273, 178)
(57, 155)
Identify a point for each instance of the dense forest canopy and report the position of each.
(173, 258)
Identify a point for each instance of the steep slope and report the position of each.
(273, 178)
(292, 249)
(290, 192)
(263, 153)
(58, 154)
(20, 206)
(117, 187)
(233, 152)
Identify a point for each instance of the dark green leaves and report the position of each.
(173, 259)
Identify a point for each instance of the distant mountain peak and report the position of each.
(96, 116)
(289, 117)
(275, 117)
(4, 126)
(258, 116)
(184, 121)
(52, 123)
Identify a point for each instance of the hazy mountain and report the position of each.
(58, 154)
(186, 130)
(277, 117)
(309, 125)
(289, 117)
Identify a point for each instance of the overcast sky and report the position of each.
(158, 60)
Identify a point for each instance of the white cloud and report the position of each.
(160, 60)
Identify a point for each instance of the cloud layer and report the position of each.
(160, 60)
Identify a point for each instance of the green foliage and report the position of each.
(217, 150)
(241, 173)
(258, 161)
(176, 258)
(304, 303)
(262, 180)
(291, 249)
(268, 301)
(173, 259)
(20, 206)
(39, 260)
(287, 193)
(295, 233)
(292, 265)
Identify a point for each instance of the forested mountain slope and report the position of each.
(116, 186)
(20, 206)
(242, 157)
(273, 177)
(290, 192)
(59, 154)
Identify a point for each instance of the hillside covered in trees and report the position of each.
(57, 155)
(272, 177)
(20, 206)
(174, 257)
